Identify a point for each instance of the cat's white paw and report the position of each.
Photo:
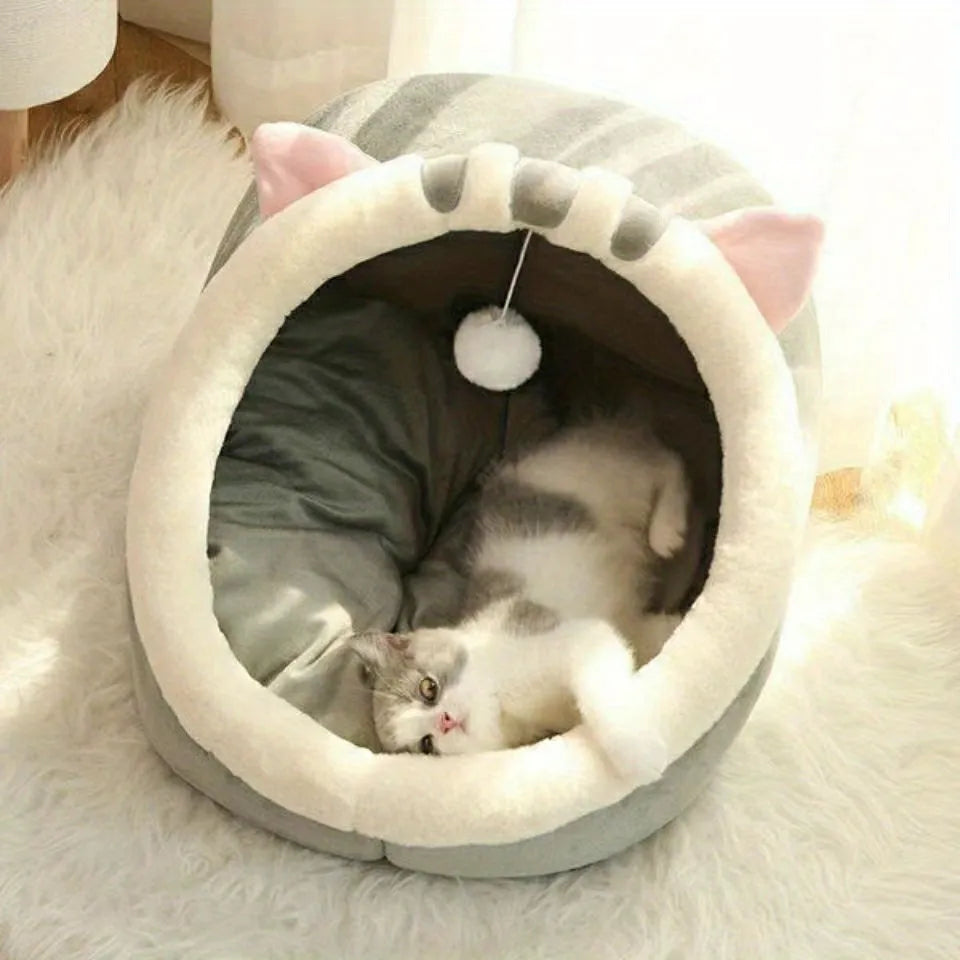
(637, 755)
(667, 533)
(605, 692)
(638, 758)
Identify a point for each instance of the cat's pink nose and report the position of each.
(445, 722)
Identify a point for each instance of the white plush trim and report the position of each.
(508, 795)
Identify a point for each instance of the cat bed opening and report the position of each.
(331, 325)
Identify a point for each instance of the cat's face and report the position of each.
(427, 695)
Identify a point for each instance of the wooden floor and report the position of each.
(143, 52)
(837, 493)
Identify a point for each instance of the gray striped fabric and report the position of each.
(438, 115)
(445, 114)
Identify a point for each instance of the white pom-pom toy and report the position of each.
(496, 348)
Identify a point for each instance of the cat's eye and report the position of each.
(426, 744)
(428, 689)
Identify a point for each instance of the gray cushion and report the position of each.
(355, 442)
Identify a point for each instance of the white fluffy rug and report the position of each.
(831, 831)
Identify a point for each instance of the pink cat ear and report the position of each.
(774, 254)
(291, 160)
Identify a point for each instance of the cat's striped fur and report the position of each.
(565, 552)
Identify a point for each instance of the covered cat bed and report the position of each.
(308, 458)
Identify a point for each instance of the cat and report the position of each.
(566, 547)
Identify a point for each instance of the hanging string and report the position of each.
(505, 411)
(516, 276)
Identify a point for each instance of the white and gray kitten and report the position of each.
(555, 622)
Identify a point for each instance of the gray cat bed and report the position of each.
(308, 460)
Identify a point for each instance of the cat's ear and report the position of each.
(775, 255)
(377, 649)
(291, 160)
